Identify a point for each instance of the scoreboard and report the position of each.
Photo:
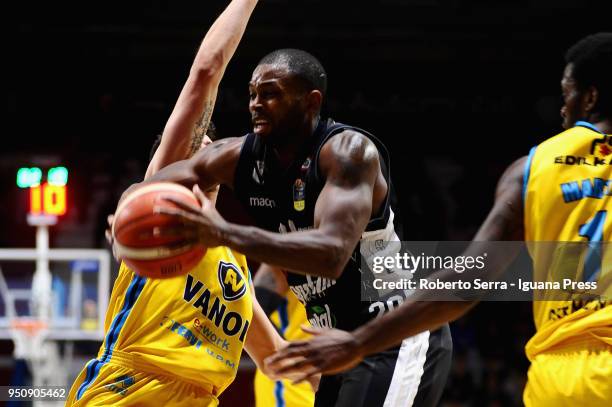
(48, 193)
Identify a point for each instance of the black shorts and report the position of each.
(413, 374)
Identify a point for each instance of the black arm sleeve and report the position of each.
(268, 299)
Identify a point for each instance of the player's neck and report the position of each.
(288, 152)
(604, 125)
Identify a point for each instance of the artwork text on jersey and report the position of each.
(313, 288)
(231, 322)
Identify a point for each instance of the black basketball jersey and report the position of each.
(283, 201)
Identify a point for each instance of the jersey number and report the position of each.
(390, 305)
(593, 231)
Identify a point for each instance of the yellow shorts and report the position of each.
(270, 393)
(116, 385)
(576, 376)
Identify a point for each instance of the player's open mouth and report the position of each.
(260, 125)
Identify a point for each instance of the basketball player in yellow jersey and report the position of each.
(288, 315)
(567, 200)
(561, 192)
(178, 342)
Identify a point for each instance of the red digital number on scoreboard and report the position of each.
(47, 199)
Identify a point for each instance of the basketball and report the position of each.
(136, 234)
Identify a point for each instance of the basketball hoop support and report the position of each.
(41, 283)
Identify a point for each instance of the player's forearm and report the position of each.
(408, 320)
(192, 114)
(262, 339)
(416, 315)
(309, 252)
(222, 39)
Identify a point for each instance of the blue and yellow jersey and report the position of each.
(191, 327)
(568, 198)
(288, 319)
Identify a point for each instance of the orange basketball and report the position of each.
(137, 243)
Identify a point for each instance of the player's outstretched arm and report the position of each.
(191, 116)
(333, 350)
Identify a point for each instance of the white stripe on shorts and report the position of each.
(408, 371)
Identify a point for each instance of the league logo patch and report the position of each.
(232, 283)
(299, 195)
(306, 165)
(605, 146)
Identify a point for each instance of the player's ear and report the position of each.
(591, 96)
(314, 100)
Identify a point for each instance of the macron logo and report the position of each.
(262, 202)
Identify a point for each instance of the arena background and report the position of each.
(456, 89)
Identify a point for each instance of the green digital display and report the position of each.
(28, 177)
(57, 176)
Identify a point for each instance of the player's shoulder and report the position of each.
(221, 156)
(575, 141)
(348, 147)
(240, 258)
(228, 255)
(350, 138)
(517, 167)
(521, 167)
(571, 135)
(514, 175)
(241, 261)
(227, 145)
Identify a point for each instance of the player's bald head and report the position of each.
(300, 65)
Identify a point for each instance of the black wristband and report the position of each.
(268, 299)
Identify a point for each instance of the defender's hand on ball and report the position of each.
(203, 224)
(109, 235)
(330, 351)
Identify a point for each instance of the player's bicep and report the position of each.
(213, 165)
(344, 211)
(350, 164)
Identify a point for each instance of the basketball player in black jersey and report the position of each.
(326, 188)
(578, 335)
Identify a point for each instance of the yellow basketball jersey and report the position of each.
(288, 319)
(189, 327)
(567, 195)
